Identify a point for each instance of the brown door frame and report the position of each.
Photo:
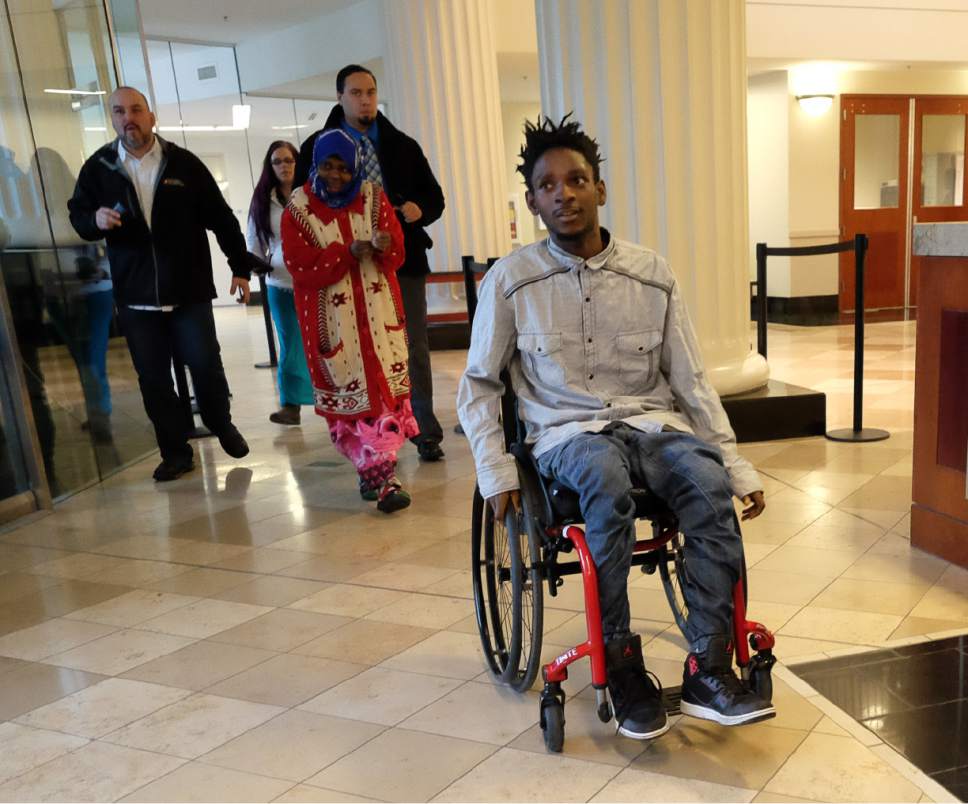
(909, 193)
(931, 105)
(863, 221)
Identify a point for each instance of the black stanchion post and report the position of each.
(761, 298)
(858, 433)
(860, 250)
(267, 316)
(470, 287)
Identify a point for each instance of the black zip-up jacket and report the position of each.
(406, 177)
(170, 263)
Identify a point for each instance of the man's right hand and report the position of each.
(499, 502)
(107, 218)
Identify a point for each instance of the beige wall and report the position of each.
(769, 157)
(815, 165)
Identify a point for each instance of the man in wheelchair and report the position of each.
(611, 388)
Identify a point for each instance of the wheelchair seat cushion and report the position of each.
(564, 502)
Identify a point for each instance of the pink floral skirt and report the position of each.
(371, 443)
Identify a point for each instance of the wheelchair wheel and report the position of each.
(552, 716)
(528, 624)
(493, 594)
(761, 682)
(672, 569)
(553, 726)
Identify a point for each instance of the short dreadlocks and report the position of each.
(544, 135)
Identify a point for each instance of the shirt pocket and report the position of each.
(638, 354)
(541, 358)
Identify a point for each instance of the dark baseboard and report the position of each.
(804, 311)
(448, 335)
(778, 410)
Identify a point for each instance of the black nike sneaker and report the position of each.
(711, 690)
(636, 698)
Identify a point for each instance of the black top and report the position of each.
(406, 177)
(170, 263)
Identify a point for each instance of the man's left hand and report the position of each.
(410, 211)
(754, 505)
(238, 283)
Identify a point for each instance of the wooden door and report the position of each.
(940, 183)
(873, 196)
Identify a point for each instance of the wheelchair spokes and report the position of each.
(525, 543)
(487, 572)
(507, 594)
(672, 570)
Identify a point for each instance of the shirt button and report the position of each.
(589, 340)
(587, 299)
(591, 376)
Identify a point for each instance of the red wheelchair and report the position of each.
(514, 559)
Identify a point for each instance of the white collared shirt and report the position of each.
(144, 176)
(143, 173)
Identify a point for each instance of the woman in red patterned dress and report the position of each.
(343, 244)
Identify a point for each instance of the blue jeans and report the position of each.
(295, 387)
(689, 476)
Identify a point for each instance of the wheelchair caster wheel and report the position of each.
(605, 712)
(761, 680)
(553, 725)
(552, 718)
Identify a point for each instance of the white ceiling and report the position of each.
(229, 21)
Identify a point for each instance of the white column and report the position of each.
(661, 84)
(441, 82)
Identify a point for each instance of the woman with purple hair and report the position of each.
(262, 238)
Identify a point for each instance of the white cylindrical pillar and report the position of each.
(661, 84)
(441, 73)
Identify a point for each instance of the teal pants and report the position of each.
(295, 387)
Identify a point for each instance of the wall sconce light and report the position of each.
(815, 105)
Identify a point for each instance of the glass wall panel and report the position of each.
(877, 153)
(942, 160)
(200, 107)
(55, 74)
(272, 119)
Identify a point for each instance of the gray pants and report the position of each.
(414, 292)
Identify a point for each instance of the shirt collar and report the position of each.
(154, 152)
(371, 132)
(571, 261)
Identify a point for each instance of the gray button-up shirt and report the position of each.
(586, 342)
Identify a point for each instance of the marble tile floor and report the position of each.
(254, 632)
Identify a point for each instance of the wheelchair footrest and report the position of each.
(672, 696)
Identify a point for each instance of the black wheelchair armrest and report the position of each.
(531, 480)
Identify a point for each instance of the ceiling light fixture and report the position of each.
(815, 105)
(241, 114)
(75, 92)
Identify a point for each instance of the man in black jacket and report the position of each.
(395, 161)
(152, 202)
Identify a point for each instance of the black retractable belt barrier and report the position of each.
(856, 433)
(267, 316)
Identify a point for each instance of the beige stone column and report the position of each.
(441, 77)
(661, 84)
